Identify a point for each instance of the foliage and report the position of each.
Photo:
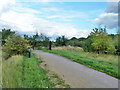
(76, 42)
(37, 40)
(104, 44)
(99, 42)
(15, 45)
(88, 44)
(61, 41)
(5, 33)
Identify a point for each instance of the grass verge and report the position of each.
(53, 77)
(23, 72)
(104, 63)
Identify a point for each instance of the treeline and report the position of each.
(98, 41)
(14, 44)
(37, 41)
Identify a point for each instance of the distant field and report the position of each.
(101, 62)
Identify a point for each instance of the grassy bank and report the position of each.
(0, 68)
(101, 62)
(23, 72)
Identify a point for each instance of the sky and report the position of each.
(72, 19)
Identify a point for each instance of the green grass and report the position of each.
(23, 72)
(0, 61)
(101, 62)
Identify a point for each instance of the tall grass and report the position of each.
(101, 62)
(23, 72)
(0, 68)
(12, 72)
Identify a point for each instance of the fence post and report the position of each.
(29, 53)
(50, 45)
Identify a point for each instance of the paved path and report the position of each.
(77, 75)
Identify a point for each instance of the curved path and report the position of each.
(77, 75)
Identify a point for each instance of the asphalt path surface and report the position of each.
(75, 74)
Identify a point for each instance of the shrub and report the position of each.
(15, 45)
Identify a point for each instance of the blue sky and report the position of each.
(59, 18)
(86, 11)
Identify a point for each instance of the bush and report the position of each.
(99, 41)
(15, 45)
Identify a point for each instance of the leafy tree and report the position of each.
(82, 39)
(43, 40)
(46, 42)
(103, 44)
(5, 33)
(35, 39)
(64, 41)
(97, 31)
(38, 40)
(58, 41)
(15, 45)
(87, 46)
(117, 43)
(76, 41)
(73, 38)
(61, 41)
(100, 42)
(26, 37)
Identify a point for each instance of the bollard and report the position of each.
(29, 53)
(50, 45)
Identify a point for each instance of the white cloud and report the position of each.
(110, 20)
(24, 20)
(51, 9)
(26, 10)
(30, 23)
(5, 5)
(58, 29)
(33, 1)
(67, 16)
(17, 21)
(53, 16)
(110, 17)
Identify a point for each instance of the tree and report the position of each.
(5, 33)
(58, 41)
(61, 41)
(99, 41)
(103, 44)
(82, 39)
(73, 38)
(15, 45)
(64, 41)
(26, 37)
(38, 40)
(87, 46)
(97, 31)
(117, 43)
